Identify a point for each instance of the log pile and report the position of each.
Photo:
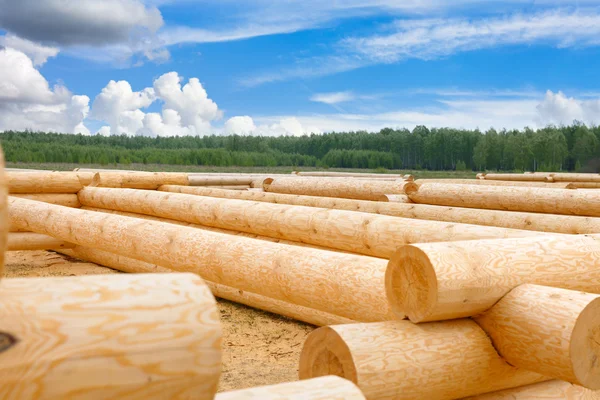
(484, 289)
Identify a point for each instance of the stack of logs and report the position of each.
(423, 289)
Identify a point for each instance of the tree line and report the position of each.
(563, 148)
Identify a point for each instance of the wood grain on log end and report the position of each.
(585, 346)
(411, 284)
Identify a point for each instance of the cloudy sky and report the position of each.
(192, 67)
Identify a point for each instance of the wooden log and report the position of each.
(234, 187)
(294, 274)
(347, 174)
(585, 185)
(148, 336)
(61, 199)
(396, 198)
(541, 177)
(4, 219)
(44, 182)
(349, 189)
(324, 388)
(19, 241)
(219, 180)
(436, 281)
(540, 200)
(554, 332)
(401, 360)
(139, 180)
(361, 233)
(570, 177)
(130, 265)
(513, 220)
(549, 390)
(550, 185)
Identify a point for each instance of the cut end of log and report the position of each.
(267, 183)
(480, 176)
(411, 284)
(410, 188)
(585, 347)
(325, 353)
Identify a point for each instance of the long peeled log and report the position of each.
(549, 390)
(345, 188)
(401, 360)
(223, 180)
(34, 241)
(139, 180)
(437, 281)
(568, 177)
(347, 174)
(60, 199)
(558, 185)
(4, 219)
(152, 336)
(554, 332)
(515, 220)
(324, 388)
(44, 182)
(518, 177)
(298, 275)
(509, 198)
(130, 265)
(362, 233)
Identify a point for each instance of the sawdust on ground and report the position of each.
(259, 348)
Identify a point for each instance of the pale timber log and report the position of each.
(541, 177)
(61, 199)
(549, 390)
(570, 177)
(4, 219)
(139, 180)
(550, 185)
(514, 220)
(294, 274)
(234, 187)
(152, 336)
(324, 388)
(510, 198)
(130, 265)
(402, 360)
(436, 281)
(396, 198)
(585, 185)
(44, 182)
(344, 188)
(554, 332)
(222, 180)
(347, 174)
(19, 241)
(362, 233)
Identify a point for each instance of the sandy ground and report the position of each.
(259, 348)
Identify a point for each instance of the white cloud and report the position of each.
(240, 125)
(556, 108)
(333, 97)
(28, 102)
(38, 53)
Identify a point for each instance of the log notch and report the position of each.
(554, 332)
(569, 177)
(324, 388)
(540, 200)
(537, 177)
(4, 220)
(139, 180)
(126, 264)
(298, 275)
(60, 199)
(401, 360)
(514, 220)
(43, 182)
(436, 281)
(361, 233)
(549, 390)
(150, 336)
(345, 188)
(18, 241)
(550, 185)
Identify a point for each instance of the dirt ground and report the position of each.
(259, 348)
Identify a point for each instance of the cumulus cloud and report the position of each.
(556, 108)
(38, 53)
(28, 102)
(240, 125)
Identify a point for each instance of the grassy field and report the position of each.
(203, 168)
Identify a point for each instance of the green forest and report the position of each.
(564, 148)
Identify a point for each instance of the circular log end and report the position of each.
(326, 353)
(585, 346)
(410, 187)
(267, 183)
(411, 284)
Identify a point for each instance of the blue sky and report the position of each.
(166, 67)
